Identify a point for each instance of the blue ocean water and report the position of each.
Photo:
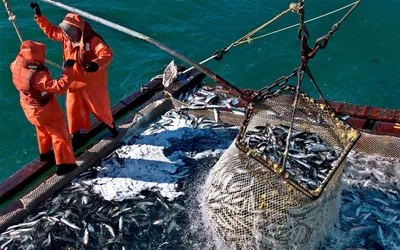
(360, 64)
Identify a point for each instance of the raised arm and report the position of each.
(52, 31)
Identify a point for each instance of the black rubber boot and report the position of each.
(49, 156)
(113, 131)
(65, 168)
(76, 140)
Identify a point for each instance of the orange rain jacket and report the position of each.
(32, 79)
(88, 91)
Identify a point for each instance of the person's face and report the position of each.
(74, 35)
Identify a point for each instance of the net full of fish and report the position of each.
(271, 213)
(309, 160)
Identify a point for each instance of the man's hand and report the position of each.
(36, 8)
(92, 67)
(69, 63)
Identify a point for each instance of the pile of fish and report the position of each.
(309, 160)
(78, 219)
(142, 196)
(370, 208)
(206, 97)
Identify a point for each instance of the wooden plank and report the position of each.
(353, 110)
(19, 180)
(387, 127)
(366, 112)
(12, 206)
(356, 122)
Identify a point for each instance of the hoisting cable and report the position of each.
(281, 81)
(306, 54)
(12, 19)
(303, 36)
(218, 54)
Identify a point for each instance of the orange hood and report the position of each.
(76, 21)
(35, 51)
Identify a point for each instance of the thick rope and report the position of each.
(12, 19)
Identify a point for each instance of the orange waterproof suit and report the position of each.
(88, 90)
(32, 79)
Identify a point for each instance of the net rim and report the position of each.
(349, 132)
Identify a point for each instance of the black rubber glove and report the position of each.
(36, 8)
(92, 67)
(69, 63)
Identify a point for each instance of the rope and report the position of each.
(53, 63)
(296, 25)
(12, 19)
(292, 7)
(204, 61)
(247, 39)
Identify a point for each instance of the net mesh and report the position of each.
(247, 211)
(382, 145)
(250, 200)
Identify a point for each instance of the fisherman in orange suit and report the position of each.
(37, 97)
(88, 90)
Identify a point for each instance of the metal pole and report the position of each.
(232, 89)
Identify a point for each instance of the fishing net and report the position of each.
(253, 202)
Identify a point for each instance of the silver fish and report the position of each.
(70, 224)
(47, 242)
(216, 117)
(381, 202)
(120, 223)
(110, 229)
(91, 228)
(63, 238)
(85, 239)
(6, 244)
(27, 224)
(158, 222)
